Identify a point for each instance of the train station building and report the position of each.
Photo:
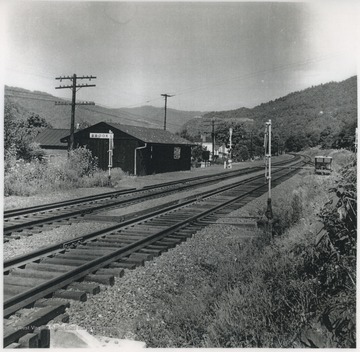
(137, 150)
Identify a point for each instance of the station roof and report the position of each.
(144, 134)
(151, 135)
(52, 137)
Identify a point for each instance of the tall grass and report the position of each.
(79, 169)
(256, 294)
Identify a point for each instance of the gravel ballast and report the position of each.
(13, 202)
(116, 311)
(27, 244)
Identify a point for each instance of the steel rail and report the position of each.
(37, 208)
(29, 296)
(155, 192)
(134, 218)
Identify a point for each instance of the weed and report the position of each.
(78, 169)
(287, 293)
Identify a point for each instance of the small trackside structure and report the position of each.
(323, 165)
(49, 141)
(137, 150)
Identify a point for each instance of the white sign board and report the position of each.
(102, 135)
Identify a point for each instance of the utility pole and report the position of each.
(73, 103)
(251, 145)
(213, 138)
(230, 149)
(166, 96)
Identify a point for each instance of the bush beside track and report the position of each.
(41, 183)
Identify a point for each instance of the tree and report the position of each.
(241, 153)
(19, 134)
(197, 152)
(326, 138)
(83, 124)
(295, 143)
(346, 137)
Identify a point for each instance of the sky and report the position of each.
(211, 56)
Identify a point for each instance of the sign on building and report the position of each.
(102, 135)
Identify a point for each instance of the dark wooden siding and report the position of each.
(163, 158)
(157, 158)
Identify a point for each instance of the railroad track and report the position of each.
(74, 268)
(26, 221)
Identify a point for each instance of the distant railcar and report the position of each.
(323, 165)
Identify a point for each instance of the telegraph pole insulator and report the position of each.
(73, 103)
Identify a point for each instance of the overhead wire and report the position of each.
(136, 117)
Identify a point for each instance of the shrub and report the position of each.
(336, 259)
(289, 293)
(79, 169)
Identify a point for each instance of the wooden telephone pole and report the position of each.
(166, 96)
(73, 103)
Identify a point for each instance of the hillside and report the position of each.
(306, 113)
(58, 116)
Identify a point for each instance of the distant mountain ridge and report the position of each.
(58, 116)
(305, 113)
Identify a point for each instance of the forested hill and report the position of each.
(27, 102)
(311, 114)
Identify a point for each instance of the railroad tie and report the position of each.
(28, 323)
(100, 279)
(133, 260)
(63, 261)
(123, 265)
(49, 267)
(85, 287)
(43, 333)
(46, 302)
(71, 294)
(116, 272)
(28, 273)
(13, 290)
(29, 341)
(157, 246)
(22, 281)
(154, 252)
(169, 242)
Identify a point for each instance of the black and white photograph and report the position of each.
(179, 174)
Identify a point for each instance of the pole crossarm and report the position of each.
(77, 77)
(77, 86)
(73, 103)
(78, 103)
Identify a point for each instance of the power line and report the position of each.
(74, 87)
(20, 96)
(91, 110)
(112, 115)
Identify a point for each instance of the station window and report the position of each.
(177, 152)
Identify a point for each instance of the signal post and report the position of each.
(267, 146)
